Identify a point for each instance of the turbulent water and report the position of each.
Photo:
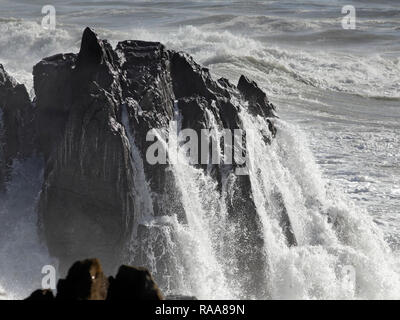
(335, 156)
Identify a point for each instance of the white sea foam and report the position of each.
(24, 43)
(285, 71)
(313, 268)
(281, 71)
(333, 235)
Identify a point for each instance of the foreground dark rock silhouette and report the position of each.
(41, 295)
(86, 281)
(134, 284)
(89, 122)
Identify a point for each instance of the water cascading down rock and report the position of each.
(91, 113)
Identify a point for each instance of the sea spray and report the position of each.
(20, 271)
(331, 237)
(332, 234)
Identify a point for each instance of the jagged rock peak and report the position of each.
(257, 99)
(93, 50)
(6, 81)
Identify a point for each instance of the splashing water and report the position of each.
(332, 235)
(340, 252)
(22, 253)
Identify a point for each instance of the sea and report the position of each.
(331, 68)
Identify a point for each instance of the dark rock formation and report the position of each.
(88, 179)
(92, 113)
(133, 284)
(86, 281)
(86, 202)
(16, 124)
(257, 99)
(41, 295)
